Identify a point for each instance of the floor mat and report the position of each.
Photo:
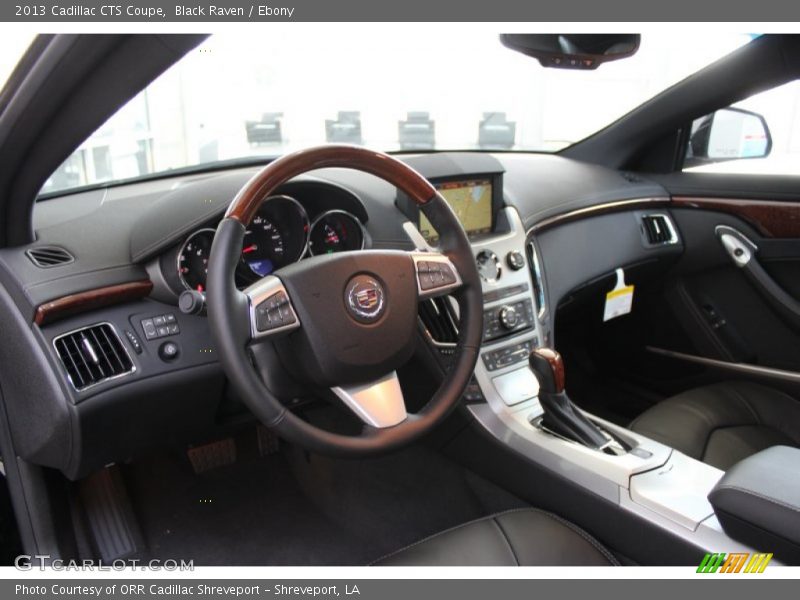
(295, 509)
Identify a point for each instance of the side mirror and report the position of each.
(728, 134)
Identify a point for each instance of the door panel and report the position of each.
(738, 303)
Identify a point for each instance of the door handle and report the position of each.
(742, 252)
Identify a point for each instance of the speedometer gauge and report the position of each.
(193, 259)
(276, 237)
(335, 231)
(263, 247)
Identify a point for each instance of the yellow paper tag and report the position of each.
(628, 289)
(619, 301)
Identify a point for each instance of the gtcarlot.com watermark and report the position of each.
(42, 562)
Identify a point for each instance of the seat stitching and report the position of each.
(707, 442)
(711, 433)
(793, 401)
(437, 534)
(506, 540)
(747, 405)
(608, 556)
(677, 403)
(575, 528)
(697, 412)
(784, 394)
(735, 425)
(761, 496)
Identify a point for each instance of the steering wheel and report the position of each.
(343, 322)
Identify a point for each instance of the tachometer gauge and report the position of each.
(276, 237)
(335, 231)
(193, 259)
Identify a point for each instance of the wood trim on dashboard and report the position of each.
(91, 299)
(247, 201)
(771, 218)
(597, 210)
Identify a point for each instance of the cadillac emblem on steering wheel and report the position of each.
(365, 298)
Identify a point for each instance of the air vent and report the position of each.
(92, 355)
(439, 319)
(659, 230)
(49, 256)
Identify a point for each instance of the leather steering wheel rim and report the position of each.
(228, 308)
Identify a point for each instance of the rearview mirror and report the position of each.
(573, 50)
(728, 134)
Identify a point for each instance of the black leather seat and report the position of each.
(526, 537)
(723, 423)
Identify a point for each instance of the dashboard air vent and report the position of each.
(49, 256)
(439, 319)
(92, 355)
(659, 230)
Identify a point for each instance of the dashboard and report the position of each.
(536, 223)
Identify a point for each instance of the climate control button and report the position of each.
(508, 317)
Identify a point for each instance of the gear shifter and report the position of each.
(560, 414)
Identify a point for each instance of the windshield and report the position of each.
(400, 88)
(13, 45)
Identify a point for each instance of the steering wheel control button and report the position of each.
(489, 267)
(365, 298)
(515, 260)
(160, 326)
(169, 351)
(274, 312)
(433, 275)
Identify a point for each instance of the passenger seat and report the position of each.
(723, 423)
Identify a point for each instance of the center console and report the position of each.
(646, 478)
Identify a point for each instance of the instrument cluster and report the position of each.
(281, 233)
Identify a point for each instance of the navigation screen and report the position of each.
(471, 200)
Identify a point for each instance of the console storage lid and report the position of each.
(757, 502)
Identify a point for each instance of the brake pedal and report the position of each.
(213, 455)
